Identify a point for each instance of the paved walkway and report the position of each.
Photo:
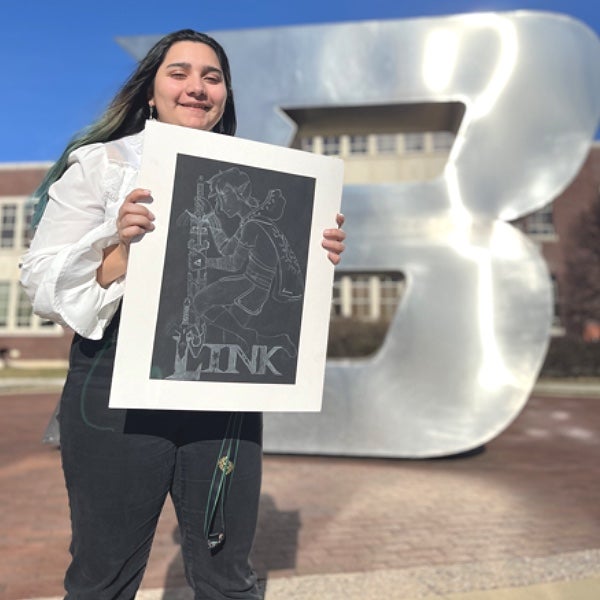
(518, 521)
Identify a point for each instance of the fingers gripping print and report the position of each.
(228, 300)
(233, 282)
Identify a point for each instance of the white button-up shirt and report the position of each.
(58, 272)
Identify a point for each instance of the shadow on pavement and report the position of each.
(275, 547)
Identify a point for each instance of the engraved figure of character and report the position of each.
(258, 252)
(190, 334)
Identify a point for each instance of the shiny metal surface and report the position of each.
(466, 345)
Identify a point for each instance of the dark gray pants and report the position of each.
(119, 466)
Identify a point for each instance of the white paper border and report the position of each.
(131, 384)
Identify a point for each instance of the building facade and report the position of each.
(556, 230)
(25, 339)
(370, 157)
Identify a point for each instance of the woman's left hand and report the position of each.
(333, 240)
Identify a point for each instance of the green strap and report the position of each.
(214, 516)
(110, 340)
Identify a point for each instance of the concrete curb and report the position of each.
(566, 576)
(590, 388)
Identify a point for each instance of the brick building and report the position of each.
(554, 229)
(27, 340)
(24, 338)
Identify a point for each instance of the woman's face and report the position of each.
(189, 87)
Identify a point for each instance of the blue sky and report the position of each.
(61, 64)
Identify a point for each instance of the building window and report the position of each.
(414, 142)
(379, 143)
(307, 144)
(27, 228)
(4, 302)
(16, 315)
(541, 222)
(15, 225)
(386, 143)
(442, 141)
(331, 145)
(367, 296)
(361, 297)
(336, 300)
(359, 144)
(556, 320)
(24, 312)
(391, 290)
(8, 221)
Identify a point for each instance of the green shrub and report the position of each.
(566, 356)
(349, 338)
(571, 357)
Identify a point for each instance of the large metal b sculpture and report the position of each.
(465, 347)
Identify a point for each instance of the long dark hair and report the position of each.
(128, 111)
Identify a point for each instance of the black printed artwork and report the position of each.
(234, 274)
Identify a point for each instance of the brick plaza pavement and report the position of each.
(522, 516)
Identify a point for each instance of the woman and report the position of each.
(119, 465)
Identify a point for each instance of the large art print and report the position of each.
(228, 299)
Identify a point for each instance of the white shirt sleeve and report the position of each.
(58, 272)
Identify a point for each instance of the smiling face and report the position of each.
(189, 87)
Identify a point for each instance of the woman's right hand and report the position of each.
(134, 219)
